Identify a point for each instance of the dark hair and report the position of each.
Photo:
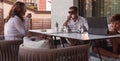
(74, 7)
(115, 17)
(17, 9)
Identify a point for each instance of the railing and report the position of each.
(30, 6)
(29, 3)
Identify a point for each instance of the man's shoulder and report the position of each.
(81, 18)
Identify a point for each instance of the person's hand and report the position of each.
(113, 30)
(113, 27)
(69, 17)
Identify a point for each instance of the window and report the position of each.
(99, 7)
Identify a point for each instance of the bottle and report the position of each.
(56, 27)
(62, 29)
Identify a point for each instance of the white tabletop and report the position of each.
(84, 36)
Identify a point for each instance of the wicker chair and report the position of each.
(9, 50)
(74, 53)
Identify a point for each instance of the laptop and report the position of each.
(98, 25)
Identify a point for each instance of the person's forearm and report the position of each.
(68, 19)
(106, 53)
(112, 32)
(66, 23)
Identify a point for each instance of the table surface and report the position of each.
(79, 36)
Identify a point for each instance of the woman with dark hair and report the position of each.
(14, 28)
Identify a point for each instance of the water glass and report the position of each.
(81, 29)
(64, 29)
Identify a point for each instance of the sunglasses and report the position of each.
(70, 12)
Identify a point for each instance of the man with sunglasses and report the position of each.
(74, 22)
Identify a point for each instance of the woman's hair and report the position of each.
(18, 9)
(115, 17)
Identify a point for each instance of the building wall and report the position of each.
(42, 5)
(48, 5)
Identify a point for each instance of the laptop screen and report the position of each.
(97, 25)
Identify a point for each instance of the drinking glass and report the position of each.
(64, 29)
(81, 29)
